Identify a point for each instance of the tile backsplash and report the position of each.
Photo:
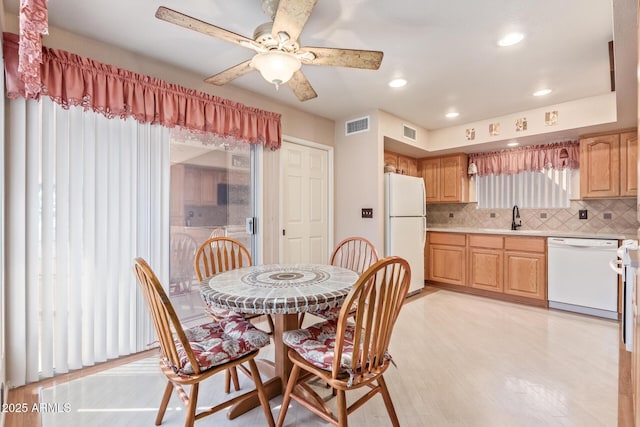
(618, 216)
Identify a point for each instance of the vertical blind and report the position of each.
(550, 188)
(84, 196)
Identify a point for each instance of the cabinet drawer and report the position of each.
(486, 241)
(455, 239)
(525, 243)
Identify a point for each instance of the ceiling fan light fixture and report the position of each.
(275, 66)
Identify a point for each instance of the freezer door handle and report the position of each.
(424, 231)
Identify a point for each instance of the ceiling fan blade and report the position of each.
(229, 74)
(194, 24)
(300, 85)
(291, 17)
(368, 59)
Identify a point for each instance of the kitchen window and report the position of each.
(536, 176)
(550, 188)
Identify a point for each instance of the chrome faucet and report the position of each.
(515, 214)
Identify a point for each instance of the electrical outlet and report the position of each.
(543, 215)
(607, 215)
(492, 215)
(582, 214)
(367, 213)
(450, 214)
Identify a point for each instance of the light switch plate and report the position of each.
(582, 214)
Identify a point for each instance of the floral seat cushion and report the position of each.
(316, 344)
(331, 313)
(219, 313)
(219, 342)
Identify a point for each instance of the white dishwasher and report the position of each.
(579, 276)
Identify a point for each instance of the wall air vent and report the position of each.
(356, 126)
(409, 132)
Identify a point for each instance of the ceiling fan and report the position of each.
(278, 54)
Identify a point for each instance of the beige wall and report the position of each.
(596, 110)
(392, 127)
(358, 182)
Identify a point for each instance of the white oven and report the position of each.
(622, 266)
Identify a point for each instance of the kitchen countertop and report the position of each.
(525, 232)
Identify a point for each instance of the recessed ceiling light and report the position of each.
(452, 114)
(398, 83)
(511, 39)
(542, 92)
(513, 144)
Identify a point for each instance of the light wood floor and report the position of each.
(461, 361)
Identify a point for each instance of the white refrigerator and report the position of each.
(405, 227)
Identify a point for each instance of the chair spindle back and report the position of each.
(354, 253)
(377, 298)
(164, 317)
(220, 254)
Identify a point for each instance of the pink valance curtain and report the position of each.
(534, 158)
(33, 25)
(69, 79)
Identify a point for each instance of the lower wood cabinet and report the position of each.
(525, 271)
(446, 258)
(525, 274)
(447, 264)
(504, 266)
(485, 262)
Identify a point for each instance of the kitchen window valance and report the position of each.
(70, 79)
(534, 158)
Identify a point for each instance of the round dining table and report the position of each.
(283, 291)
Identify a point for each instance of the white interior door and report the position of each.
(305, 190)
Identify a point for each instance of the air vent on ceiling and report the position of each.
(356, 125)
(409, 132)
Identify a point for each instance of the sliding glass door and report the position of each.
(211, 194)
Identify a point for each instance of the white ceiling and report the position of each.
(445, 49)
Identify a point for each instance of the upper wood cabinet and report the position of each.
(209, 179)
(629, 164)
(404, 165)
(192, 186)
(391, 159)
(608, 166)
(430, 170)
(445, 178)
(198, 186)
